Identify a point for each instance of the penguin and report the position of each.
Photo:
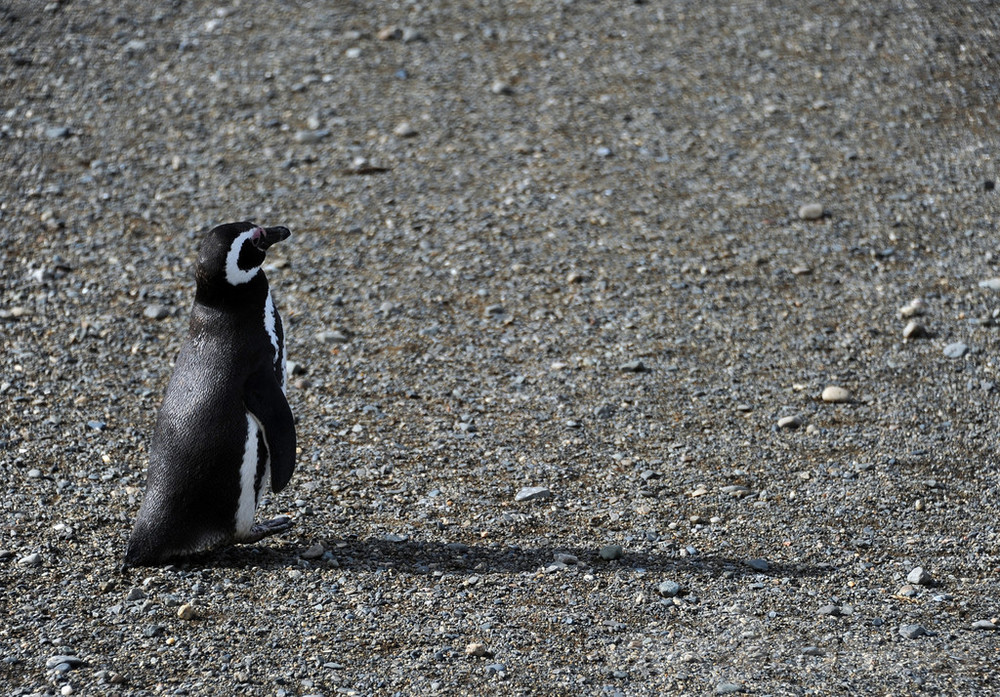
(224, 429)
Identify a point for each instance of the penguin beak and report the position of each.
(270, 236)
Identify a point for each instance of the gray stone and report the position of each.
(919, 576)
(790, 421)
(633, 366)
(668, 589)
(611, 552)
(956, 350)
(988, 625)
(70, 661)
(156, 312)
(811, 211)
(727, 688)
(33, 559)
(914, 631)
(757, 564)
(532, 493)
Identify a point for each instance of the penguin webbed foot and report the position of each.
(267, 528)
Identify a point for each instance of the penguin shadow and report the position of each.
(421, 557)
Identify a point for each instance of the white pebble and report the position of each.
(811, 211)
(835, 394)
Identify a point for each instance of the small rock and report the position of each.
(603, 152)
(496, 669)
(56, 132)
(568, 559)
(914, 631)
(411, 35)
(633, 366)
(811, 211)
(135, 594)
(63, 662)
(727, 688)
(33, 559)
(812, 651)
(835, 394)
(155, 312)
(736, 491)
(908, 591)
(405, 130)
(309, 137)
(575, 277)
(187, 612)
(501, 87)
(669, 589)
(830, 611)
(919, 576)
(314, 552)
(757, 564)
(34, 473)
(989, 625)
(912, 309)
(335, 336)
(476, 649)
(956, 350)
(914, 330)
(611, 552)
(97, 425)
(532, 493)
(790, 421)
(991, 283)
(389, 33)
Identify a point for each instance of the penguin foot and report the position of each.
(267, 528)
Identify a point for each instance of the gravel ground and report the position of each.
(566, 288)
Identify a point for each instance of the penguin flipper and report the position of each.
(262, 397)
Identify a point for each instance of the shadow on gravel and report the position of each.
(419, 557)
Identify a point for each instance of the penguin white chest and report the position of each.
(255, 470)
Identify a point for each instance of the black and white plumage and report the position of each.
(224, 430)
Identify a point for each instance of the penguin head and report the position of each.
(231, 255)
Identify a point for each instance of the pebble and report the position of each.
(314, 552)
(736, 491)
(985, 624)
(307, 137)
(912, 309)
(919, 576)
(991, 283)
(405, 130)
(63, 662)
(56, 132)
(668, 589)
(914, 330)
(476, 649)
(812, 651)
(33, 559)
(603, 152)
(956, 350)
(334, 336)
(187, 612)
(611, 552)
(496, 669)
(811, 211)
(633, 366)
(831, 610)
(501, 87)
(34, 473)
(790, 421)
(568, 559)
(728, 688)
(532, 493)
(835, 394)
(136, 594)
(914, 631)
(155, 312)
(389, 33)
(757, 564)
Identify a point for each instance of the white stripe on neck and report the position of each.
(234, 274)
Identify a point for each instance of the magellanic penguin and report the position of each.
(224, 428)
